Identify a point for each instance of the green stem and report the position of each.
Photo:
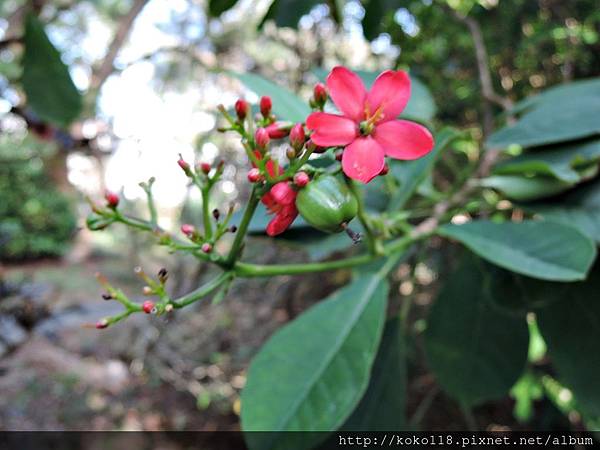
(243, 227)
(205, 191)
(248, 270)
(202, 291)
(374, 244)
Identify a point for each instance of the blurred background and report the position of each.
(149, 75)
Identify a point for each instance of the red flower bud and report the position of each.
(102, 323)
(262, 138)
(111, 198)
(301, 179)
(254, 175)
(265, 106)
(206, 247)
(148, 306)
(320, 93)
(205, 167)
(385, 170)
(184, 165)
(188, 229)
(242, 108)
(278, 130)
(297, 136)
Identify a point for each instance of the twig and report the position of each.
(485, 78)
(100, 75)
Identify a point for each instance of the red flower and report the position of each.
(281, 201)
(368, 128)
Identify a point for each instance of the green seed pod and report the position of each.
(326, 204)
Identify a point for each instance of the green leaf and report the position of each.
(540, 249)
(286, 105)
(313, 372)
(412, 173)
(571, 329)
(50, 91)
(525, 188)
(287, 13)
(580, 209)
(218, 7)
(560, 162)
(475, 352)
(421, 105)
(383, 406)
(560, 114)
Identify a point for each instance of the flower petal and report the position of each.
(347, 92)
(390, 91)
(283, 194)
(331, 129)
(363, 160)
(282, 220)
(402, 139)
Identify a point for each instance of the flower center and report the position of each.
(367, 126)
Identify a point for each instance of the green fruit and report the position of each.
(326, 204)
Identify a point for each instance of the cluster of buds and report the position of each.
(277, 184)
(205, 241)
(152, 287)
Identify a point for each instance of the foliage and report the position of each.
(35, 219)
(515, 213)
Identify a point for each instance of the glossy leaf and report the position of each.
(383, 405)
(47, 83)
(286, 105)
(540, 249)
(313, 372)
(218, 7)
(412, 173)
(476, 352)
(524, 188)
(580, 209)
(560, 114)
(571, 329)
(560, 162)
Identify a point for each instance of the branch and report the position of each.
(481, 55)
(106, 68)
(10, 41)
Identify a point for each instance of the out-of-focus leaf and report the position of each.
(476, 352)
(523, 188)
(421, 105)
(571, 329)
(287, 13)
(50, 91)
(313, 372)
(560, 114)
(286, 104)
(560, 162)
(539, 249)
(218, 7)
(580, 209)
(412, 173)
(383, 405)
